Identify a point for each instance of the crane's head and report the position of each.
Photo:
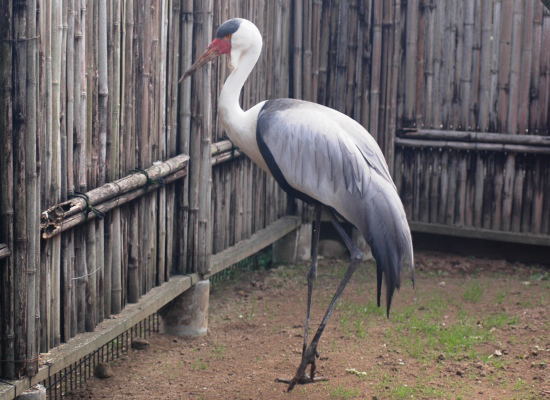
(235, 37)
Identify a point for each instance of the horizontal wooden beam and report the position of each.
(4, 251)
(478, 137)
(479, 233)
(85, 343)
(499, 147)
(252, 245)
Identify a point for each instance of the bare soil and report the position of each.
(472, 329)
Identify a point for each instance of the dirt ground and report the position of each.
(472, 329)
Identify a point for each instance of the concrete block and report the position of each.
(37, 392)
(187, 314)
(294, 247)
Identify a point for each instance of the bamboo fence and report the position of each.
(115, 178)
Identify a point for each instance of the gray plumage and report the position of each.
(323, 155)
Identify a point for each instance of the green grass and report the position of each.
(199, 365)
(416, 391)
(390, 388)
(499, 320)
(473, 293)
(341, 392)
(355, 317)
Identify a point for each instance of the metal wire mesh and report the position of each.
(75, 375)
(259, 261)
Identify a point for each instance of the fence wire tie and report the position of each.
(89, 208)
(87, 275)
(150, 181)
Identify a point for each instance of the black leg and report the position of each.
(308, 357)
(312, 274)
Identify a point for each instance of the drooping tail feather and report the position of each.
(387, 232)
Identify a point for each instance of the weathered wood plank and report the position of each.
(480, 233)
(253, 244)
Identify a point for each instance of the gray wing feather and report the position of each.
(332, 159)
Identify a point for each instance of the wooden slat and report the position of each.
(253, 244)
(478, 233)
(85, 343)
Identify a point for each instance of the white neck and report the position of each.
(228, 103)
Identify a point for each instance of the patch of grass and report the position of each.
(355, 317)
(499, 320)
(422, 337)
(199, 365)
(500, 297)
(341, 392)
(473, 292)
(416, 391)
(219, 351)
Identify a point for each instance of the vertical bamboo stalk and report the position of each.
(7, 266)
(297, 49)
(172, 127)
(20, 248)
(204, 109)
(494, 66)
(80, 156)
(534, 103)
(45, 88)
(410, 66)
(513, 104)
(67, 249)
(503, 66)
(33, 192)
(184, 128)
(376, 65)
(526, 56)
(466, 61)
(486, 50)
(56, 162)
(164, 20)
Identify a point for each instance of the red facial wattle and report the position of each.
(222, 46)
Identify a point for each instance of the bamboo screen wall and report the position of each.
(84, 102)
(479, 66)
(89, 91)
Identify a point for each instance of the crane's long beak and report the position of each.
(211, 52)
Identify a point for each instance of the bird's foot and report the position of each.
(309, 357)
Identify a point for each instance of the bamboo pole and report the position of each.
(7, 266)
(67, 241)
(472, 146)
(53, 303)
(205, 180)
(54, 227)
(110, 190)
(184, 128)
(449, 135)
